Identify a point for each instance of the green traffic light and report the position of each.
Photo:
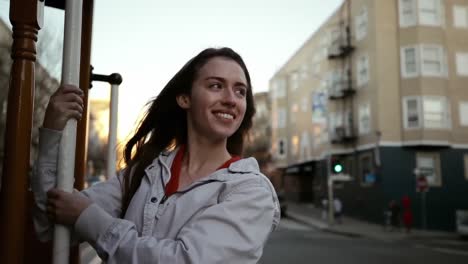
(338, 168)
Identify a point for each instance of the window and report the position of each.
(462, 63)
(407, 10)
(460, 16)
(334, 121)
(337, 81)
(433, 60)
(409, 61)
(361, 24)
(430, 12)
(316, 58)
(362, 70)
(436, 113)
(293, 113)
(429, 162)
(294, 145)
(411, 110)
(304, 72)
(273, 88)
(305, 146)
(278, 88)
(294, 81)
(281, 118)
(464, 113)
(364, 119)
(315, 70)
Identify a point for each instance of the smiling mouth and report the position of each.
(225, 116)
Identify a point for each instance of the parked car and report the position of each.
(462, 223)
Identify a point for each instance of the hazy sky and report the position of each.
(148, 41)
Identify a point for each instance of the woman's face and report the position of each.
(217, 103)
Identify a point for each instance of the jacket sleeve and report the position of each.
(233, 231)
(106, 195)
(43, 179)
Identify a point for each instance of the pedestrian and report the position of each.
(387, 214)
(338, 206)
(395, 215)
(185, 195)
(324, 208)
(407, 213)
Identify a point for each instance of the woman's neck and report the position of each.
(203, 157)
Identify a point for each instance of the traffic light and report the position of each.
(337, 166)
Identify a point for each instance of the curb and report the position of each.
(317, 224)
(323, 227)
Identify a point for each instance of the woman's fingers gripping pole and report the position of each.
(67, 102)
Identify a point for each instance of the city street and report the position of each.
(295, 243)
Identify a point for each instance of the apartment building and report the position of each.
(380, 87)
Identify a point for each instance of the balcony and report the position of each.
(339, 86)
(340, 46)
(342, 134)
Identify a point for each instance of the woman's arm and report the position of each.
(64, 104)
(233, 231)
(43, 179)
(67, 207)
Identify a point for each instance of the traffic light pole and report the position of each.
(331, 211)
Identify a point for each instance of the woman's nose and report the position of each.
(229, 97)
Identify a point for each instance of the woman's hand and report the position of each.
(65, 103)
(65, 208)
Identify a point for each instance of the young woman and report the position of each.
(186, 195)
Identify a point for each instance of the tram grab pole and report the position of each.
(114, 80)
(66, 161)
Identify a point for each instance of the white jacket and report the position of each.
(225, 217)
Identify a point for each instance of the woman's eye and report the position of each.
(215, 85)
(241, 91)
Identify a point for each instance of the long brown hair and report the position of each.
(164, 124)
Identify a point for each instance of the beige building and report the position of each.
(380, 87)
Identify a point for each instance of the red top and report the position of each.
(173, 184)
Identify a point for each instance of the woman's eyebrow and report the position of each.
(223, 80)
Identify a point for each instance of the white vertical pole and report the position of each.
(112, 141)
(66, 162)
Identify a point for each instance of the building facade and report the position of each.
(380, 88)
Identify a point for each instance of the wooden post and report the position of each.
(82, 130)
(13, 202)
(85, 72)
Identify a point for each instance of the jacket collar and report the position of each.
(164, 162)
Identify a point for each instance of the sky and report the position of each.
(148, 41)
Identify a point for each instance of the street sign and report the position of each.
(425, 171)
(340, 177)
(421, 184)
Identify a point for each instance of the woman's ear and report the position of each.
(183, 101)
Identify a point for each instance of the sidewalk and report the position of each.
(308, 214)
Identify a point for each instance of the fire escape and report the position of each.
(340, 85)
